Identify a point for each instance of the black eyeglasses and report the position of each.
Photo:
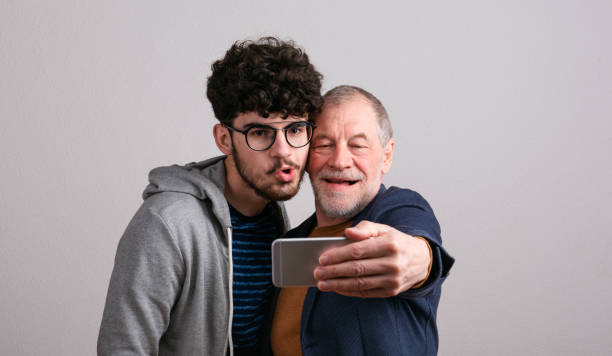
(262, 137)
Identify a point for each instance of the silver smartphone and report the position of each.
(294, 259)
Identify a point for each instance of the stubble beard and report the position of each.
(267, 190)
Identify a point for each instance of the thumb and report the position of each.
(364, 230)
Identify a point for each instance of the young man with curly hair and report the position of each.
(192, 270)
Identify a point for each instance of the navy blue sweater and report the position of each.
(333, 324)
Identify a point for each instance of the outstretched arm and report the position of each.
(382, 262)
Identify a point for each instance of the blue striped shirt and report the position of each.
(252, 287)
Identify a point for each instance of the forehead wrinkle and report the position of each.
(340, 124)
(342, 117)
(359, 135)
(329, 127)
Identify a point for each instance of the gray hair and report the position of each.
(342, 93)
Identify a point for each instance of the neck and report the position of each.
(239, 194)
(324, 220)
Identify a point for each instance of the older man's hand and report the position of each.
(383, 262)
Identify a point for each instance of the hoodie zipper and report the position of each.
(231, 293)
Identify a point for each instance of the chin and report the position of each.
(340, 204)
(280, 196)
(280, 193)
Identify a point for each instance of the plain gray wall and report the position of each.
(502, 114)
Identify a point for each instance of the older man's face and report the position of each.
(347, 159)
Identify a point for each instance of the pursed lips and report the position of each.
(286, 173)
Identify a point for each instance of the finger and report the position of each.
(380, 286)
(369, 248)
(353, 251)
(366, 229)
(357, 268)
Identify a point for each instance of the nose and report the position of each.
(340, 158)
(280, 147)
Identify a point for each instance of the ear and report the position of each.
(388, 156)
(223, 139)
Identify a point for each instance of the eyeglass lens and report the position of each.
(297, 135)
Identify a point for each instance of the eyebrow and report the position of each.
(258, 124)
(255, 124)
(325, 136)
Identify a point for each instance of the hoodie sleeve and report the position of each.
(145, 282)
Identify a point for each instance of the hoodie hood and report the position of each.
(203, 180)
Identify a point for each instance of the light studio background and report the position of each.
(502, 115)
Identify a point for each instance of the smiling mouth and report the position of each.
(339, 181)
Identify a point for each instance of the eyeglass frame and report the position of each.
(284, 129)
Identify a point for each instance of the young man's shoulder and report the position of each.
(181, 205)
(177, 190)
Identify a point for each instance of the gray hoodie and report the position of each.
(170, 292)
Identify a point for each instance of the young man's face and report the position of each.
(274, 173)
(347, 159)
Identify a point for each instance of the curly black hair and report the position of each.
(265, 76)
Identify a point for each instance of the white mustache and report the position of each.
(344, 175)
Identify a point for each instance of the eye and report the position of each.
(296, 129)
(358, 144)
(259, 132)
(322, 145)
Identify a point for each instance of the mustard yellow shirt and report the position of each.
(285, 334)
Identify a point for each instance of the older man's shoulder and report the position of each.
(396, 196)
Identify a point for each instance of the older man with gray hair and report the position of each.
(363, 303)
